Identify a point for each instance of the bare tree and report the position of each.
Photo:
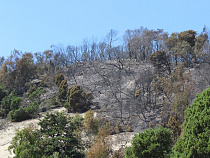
(111, 37)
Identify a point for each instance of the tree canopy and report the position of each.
(195, 139)
(55, 137)
(154, 143)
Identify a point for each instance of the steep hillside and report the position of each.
(124, 94)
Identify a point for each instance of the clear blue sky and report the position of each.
(34, 25)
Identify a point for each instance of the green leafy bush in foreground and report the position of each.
(55, 138)
(195, 139)
(151, 143)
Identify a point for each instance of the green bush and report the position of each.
(15, 103)
(195, 138)
(8, 103)
(31, 90)
(151, 143)
(32, 109)
(26, 144)
(55, 138)
(25, 113)
(76, 124)
(35, 95)
(18, 115)
(57, 132)
(3, 93)
(77, 99)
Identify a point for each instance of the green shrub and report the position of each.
(44, 82)
(3, 93)
(31, 90)
(35, 95)
(57, 132)
(25, 113)
(195, 139)
(76, 124)
(32, 109)
(8, 103)
(26, 144)
(18, 115)
(154, 143)
(15, 104)
(77, 99)
(55, 138)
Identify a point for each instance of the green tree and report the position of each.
(3, 93)
(18, 113)
(25, 143)
(153, 143)
(58, 136)
(54, 138)
(10, 102)
(195, 139)
(35, 95)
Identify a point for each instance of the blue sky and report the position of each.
(33, 26)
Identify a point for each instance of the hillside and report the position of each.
(148, 82)
(114, 95)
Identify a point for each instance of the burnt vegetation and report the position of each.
(148, 81)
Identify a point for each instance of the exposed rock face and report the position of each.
(121, 140)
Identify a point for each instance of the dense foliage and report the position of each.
(3, 93)
(12, 105)
(9, 103)
(195, 140)
(55, 137)
(154, 143)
